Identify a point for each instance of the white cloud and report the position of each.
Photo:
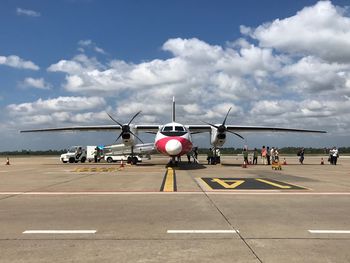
(311, 74)
(89, 44)
(17, 62)
(195, 64)
(208, 79)
(39, 83)
(293, 77)
(322, 114)
(61, 118)
(321, 30)
(60, 104)
(27, 12)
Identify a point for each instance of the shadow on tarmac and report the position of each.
(231, 164)
(191, 166)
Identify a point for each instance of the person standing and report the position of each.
(268, 155)
(277, 158)
(255, 156)
(245, 155)
(263, 155)
(210, 156)
(330, 156)
(95, 154)
(188, 157)
(272, 154)
(195, 153)
(335, 155)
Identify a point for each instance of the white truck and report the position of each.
(75, 154)
(125, 158)
(82, 154)
(120, 152)
(94, 153)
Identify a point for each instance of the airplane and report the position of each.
(173, 139)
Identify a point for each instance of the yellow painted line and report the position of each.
(274, 184)
(169, 181)
(228, 184)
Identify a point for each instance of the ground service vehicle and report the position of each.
(121, 152)
(75, 154)
(125, 158)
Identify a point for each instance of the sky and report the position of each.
(276, 63)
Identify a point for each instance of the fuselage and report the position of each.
(173, 139)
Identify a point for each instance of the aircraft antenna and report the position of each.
(173, 109)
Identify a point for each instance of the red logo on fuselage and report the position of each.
(174, 145)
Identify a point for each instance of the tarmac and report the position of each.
(54, 212)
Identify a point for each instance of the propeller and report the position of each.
(222, 128)
(125, 127)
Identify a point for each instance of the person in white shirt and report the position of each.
(335, 155)
(272, 154)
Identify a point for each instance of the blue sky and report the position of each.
(278, 63)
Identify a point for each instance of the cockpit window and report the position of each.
(173, 131)
(179, 128)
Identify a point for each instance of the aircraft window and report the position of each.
(179, 128)
(168, 128)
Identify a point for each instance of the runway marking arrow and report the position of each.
(228, 183)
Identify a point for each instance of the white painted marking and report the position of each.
(329, 231)
(277, 192)
(60, 232)
(235, 192)
(202, 231)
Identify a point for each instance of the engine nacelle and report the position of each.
(128, 136)
(217, 139)
(128, 139)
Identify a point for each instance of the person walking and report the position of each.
(263, 155)
(301, 155)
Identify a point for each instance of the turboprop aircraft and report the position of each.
(174, 139)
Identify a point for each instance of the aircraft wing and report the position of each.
(235, 128)
(268, 129)
(143, 128)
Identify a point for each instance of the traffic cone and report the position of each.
(121, 163)
(284, 161)
(322, 162)
(7, 161)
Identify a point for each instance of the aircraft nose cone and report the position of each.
(173, 147)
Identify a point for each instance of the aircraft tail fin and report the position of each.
(173, 120)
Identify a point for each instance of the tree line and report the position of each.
(30, 152)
